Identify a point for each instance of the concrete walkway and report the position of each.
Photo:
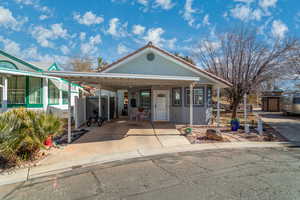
(288, 126)
(168, 135)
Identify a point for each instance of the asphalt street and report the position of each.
(264, 173)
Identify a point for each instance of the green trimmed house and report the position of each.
(23, 84)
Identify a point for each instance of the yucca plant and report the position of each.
(23, 132)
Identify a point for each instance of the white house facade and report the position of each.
(23, 84)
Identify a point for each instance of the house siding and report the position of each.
(159, 66)
(178, 114)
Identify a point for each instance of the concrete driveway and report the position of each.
(118, 137)
(288, 126)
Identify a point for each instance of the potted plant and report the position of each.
(235, 124)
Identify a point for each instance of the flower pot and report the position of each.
(48, 142)
(235, 125)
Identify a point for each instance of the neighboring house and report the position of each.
(23, 84)
(157, 82)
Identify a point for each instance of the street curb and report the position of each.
(26, 174)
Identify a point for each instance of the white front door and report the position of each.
(161, 100)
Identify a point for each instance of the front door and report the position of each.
(161, 105)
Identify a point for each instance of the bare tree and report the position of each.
(81, 64)
(244, 59)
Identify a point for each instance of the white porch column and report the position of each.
(218, 107)
(116, 104)
(191, 104)
(99, 101)
(45, 94)
(5, 93)
(69, 114)
(108, 106)
(84, 109)
(245, 114)
(60, 101)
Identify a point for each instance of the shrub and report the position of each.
(23, 132)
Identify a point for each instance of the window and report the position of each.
(209, 96)
(35, 90)
(65, 97)
(198, 96)
(176, 96)
(16, 90)
(53, 93)
(145, 98)
(296, 100)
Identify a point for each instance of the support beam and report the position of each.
(99, 102)
(5, 93)
(69, 114)
(191, 104)
(218, 107)
(245, 114)
(108, 106)
(60, 100)
(45, 94)
(116, 105)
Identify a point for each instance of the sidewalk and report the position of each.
(24, 174)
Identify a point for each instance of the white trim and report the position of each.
(168, 104)
(149, 49)
(70, 74)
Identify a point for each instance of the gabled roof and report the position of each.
(33, 67)
(175, 58)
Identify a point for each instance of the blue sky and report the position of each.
(55, 30)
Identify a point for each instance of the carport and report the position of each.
(114, 82)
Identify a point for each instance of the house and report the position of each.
(23, 84)
(157, 83)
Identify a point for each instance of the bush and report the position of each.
(23, 132)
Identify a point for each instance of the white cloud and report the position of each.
(44, 35)
(154, 35)
(65, 49)
(10, 46)
(265, 4)
(7, 19)
(82, 36)
(121, 49)
(116, 29)
(164, 4)
(279, 29)
(35, 4)
(206, 20)
(171, 43)
(188, 14)
(245, 13)
(88, 18)
(90, 47)
(43, 17)
(143, 2)
(138, 29)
